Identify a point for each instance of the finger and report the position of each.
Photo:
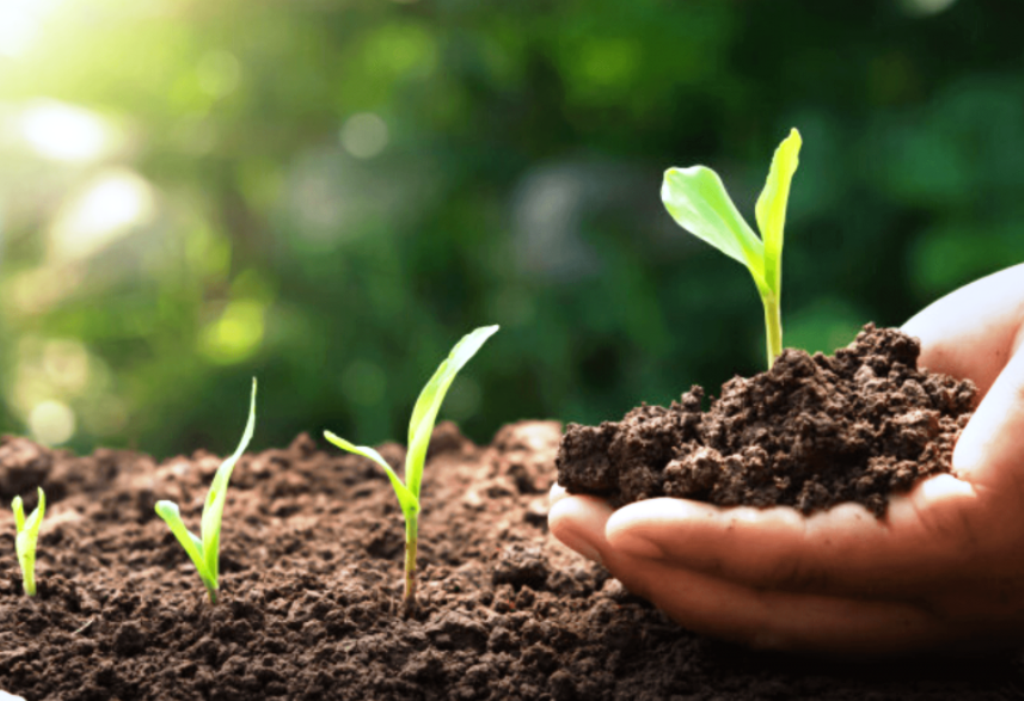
(725, 609)
(782, 620)
(556, 494)
(990, 451)
(844, 551)
(579, 522)
(973, 331)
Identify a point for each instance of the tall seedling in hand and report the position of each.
(205, 551)
(421, 425)
(697, 200)
(28, 536)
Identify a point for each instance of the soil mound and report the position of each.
(810, 433)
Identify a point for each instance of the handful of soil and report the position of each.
(810, 433)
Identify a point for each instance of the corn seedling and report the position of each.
(421, 425)
(28, 536)
(205, 551)
(698, 201)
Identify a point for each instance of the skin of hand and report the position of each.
(944, 569)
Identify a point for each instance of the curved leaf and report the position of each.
(406, 499)
(27, 538)
(424, 413)
(698, 201)
(18, 506)
(168, 511)
(213, 510)
(771, 206)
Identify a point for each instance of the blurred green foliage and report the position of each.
(328, 193)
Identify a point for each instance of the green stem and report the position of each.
(30, 583)
(411, 530)
(773, 326)
(213, 594)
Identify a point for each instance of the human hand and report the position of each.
(945, 566)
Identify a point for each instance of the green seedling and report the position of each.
(205, 551)
(28, 536)
(697, 200)
(421, 425)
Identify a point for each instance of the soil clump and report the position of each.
(811, 432)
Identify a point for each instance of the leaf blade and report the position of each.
(771, 206)
(406, 499)
(193, 545)
(27, 540)
(18, 507)
(428, 404)
(213, 509)
(698, 201)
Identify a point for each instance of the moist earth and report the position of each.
(811, 432)
(311, 586)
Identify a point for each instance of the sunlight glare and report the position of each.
(52, 422)
(364, 135)
(20, 22)
(64, 132)
(110, 206)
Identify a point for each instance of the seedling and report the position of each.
(421, 425)
(28, 536)
(205, 551)
(698, 201)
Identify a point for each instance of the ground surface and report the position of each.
(312, 547)
(811, 432)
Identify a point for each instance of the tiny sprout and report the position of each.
(205, 551)
(28, 536)
(697, 200)
(421, 425)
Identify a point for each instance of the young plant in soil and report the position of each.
(205, 552)
(698, 201)
(811, 432)
(421, 426)
(28, 536)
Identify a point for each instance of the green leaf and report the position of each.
(19, 514)
(771, 207)
(35, 519)
(698, 201)
(213, 510)
(27, 538)
(168, 511)
(421, 425)
(406, 499)
(424, 414)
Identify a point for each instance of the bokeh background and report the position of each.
(329, 193)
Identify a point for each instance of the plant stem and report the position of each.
(411, 530)
(212, 591)
(773, 327)
(29, 584)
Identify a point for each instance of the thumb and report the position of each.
(579, 522)
(991, 448)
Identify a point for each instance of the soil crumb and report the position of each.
(810, 433)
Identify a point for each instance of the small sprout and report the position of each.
(28, 535)
(205, 551)
(421, 425)
(697, 200)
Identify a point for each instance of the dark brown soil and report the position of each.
(312, 550)
(810, 433)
